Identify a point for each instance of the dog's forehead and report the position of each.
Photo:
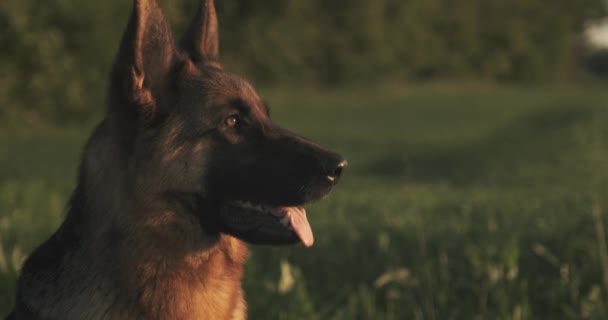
(210, 87)
(226, 87)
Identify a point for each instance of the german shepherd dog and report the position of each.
(184, 169)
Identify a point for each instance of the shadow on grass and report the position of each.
(537, 138)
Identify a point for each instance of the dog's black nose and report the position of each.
(336, 172)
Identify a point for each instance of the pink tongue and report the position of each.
(299, 223)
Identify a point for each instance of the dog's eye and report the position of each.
(233, 121)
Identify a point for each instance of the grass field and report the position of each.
(462, 203)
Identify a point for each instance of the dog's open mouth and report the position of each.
(267, 224)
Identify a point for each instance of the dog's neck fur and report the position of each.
(165, 265)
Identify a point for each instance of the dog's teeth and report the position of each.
(285, 220)
(259, 207)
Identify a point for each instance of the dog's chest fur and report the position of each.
(137, 284)
(204, 285)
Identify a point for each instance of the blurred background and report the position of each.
(475, 131)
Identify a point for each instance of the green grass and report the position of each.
(462, 203)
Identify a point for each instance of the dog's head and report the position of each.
(203, 137)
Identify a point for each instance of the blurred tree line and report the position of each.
(55, 55)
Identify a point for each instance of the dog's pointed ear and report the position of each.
(146, 54)
(201, 40)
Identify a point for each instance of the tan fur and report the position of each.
(200, 280)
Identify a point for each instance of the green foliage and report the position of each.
(457, 204)
(56, 55)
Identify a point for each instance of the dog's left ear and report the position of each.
(201, 40)
(146, 56)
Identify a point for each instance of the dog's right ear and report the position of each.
(146, 55)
